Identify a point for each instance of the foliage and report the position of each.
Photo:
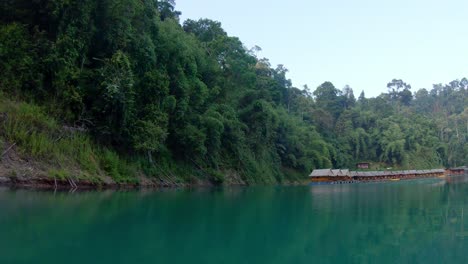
(166, 94)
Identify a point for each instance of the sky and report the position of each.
(361, 43)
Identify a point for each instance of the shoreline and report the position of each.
(51, 184)
(65, 185)
(43, 184)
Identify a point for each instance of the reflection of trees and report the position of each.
(418, 221)
(398, 222)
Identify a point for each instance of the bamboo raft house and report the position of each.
(346, 176)
(457, 171)
(329, 175)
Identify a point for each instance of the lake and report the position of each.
(421, 221)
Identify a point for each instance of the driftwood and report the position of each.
(206, 174)
(72, 129)
(165, 178)
(72, 183)
(12, 145)
(69, 131)
(8, 149)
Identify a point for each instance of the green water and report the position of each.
(399, 222)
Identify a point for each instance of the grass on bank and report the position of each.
(67, 152)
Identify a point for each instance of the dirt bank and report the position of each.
(21, 171)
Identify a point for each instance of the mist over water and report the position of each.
(421, 221)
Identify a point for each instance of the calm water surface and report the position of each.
(400, 222)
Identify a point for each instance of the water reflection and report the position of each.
(400, 222)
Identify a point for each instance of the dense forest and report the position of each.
(123, 88)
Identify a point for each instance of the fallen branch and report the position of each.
(59, 138)
(206, 174)
(8, 149)
(72, 183)
(167, 180)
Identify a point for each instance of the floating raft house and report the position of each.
(329, 175)
(457, 171)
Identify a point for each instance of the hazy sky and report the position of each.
(363, 43)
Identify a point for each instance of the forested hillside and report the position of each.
(122, 88)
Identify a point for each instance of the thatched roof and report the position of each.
(330, 173)
(321, 173)
(393, 173)
(345, 172)
(458, 169)
(336, 172)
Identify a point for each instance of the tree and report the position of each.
(205, 30)
(17, 66)
(405, 97)
(395, 86)
(399, 92)
(113, 105)
(167, 10)
(349, 98)
(327, 98)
